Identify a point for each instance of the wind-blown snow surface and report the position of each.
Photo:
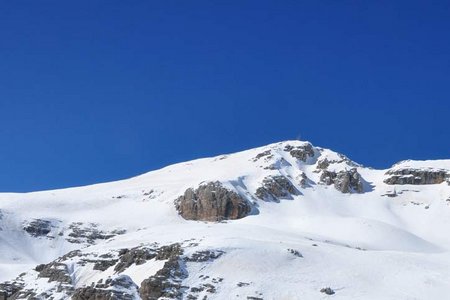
(389, 242)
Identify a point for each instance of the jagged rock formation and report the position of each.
(167, 281)
(12, 290)
(54, 271)
(205, 255)
(301, 152)
(212, 202)
(323, 164)
(38, 227)
(275, 187)
(416, 176)
(132, 256)
(346, 181)
(89, 233)
(118, 288)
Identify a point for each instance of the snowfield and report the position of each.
(322, 226)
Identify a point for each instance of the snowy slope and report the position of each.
(376, 241)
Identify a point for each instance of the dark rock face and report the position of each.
(327, 291)
(119, 288)
(38, 227)
(104, 264)
(170, 251)
(323, 164)
(416, 176)
(300, 152)
(54, 271)
(204, 256)
(328, 177)
(10, 290)
(167, 281)
(304, 181)
(344, 181)
(89, 233)
(132, 256)
(212, 202)
(267, 154)
(295, 252)
(275, 187)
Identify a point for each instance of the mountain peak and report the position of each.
(234, 222)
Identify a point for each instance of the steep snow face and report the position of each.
(313, 219)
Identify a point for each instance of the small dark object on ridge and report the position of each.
(327, 290)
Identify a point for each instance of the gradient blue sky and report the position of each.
(94, 91)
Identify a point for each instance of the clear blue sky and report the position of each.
(93, 91)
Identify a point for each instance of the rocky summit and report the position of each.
(289, 220)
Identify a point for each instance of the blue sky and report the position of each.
(103, 90)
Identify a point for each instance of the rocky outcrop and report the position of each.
(38, 227)
(11, 290)
(167, 281)
(345, 181)
(137, 256)
(266, 154)
(416, 176)
(212, 202)
(303, 180)
(54, 271)
(327, 291)
(89, 233)
(116, 288)
(323, 164)
(302, 152)
(275, 187)
(204, 256)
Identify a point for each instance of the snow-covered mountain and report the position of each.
(283, 221)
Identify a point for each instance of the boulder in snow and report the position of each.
(212, 202)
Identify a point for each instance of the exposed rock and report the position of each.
(117, 288)
(304, 180)
(10, 290)
(169, 251)
(167, 281)
(302, 152)
(38, 227)
(242, 284)
(416, 176)
(267, 154)
(346, 181)
(212, 202)
(295, 252)
(349, 181)
(328, 177)
(323, 164)
(89, 233)
(104, 264)
(327, 290)
(274, 187)
(136, 256)
(54, 271)
(203, 256)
